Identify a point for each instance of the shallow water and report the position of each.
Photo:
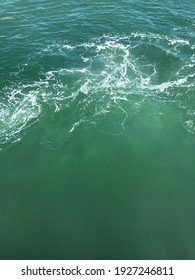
(97, 130)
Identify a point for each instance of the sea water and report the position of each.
(97, 129)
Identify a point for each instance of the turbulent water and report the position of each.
(97, 129)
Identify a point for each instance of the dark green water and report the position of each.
(97, 129)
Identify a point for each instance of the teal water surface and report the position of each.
(97, 129)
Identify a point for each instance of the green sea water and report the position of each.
(97, 129)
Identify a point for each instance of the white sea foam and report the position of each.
(107, 73)
(7, 18)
